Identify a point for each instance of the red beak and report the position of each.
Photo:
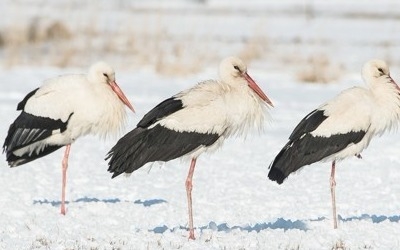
(253, 85)
(121, 95)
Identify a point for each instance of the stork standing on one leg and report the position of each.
(63, 109)
(342, 127)
(192, 122)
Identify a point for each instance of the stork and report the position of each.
(193, 121)
(342, 127)
(62, 110)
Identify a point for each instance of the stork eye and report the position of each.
(104, 74)
(236, 67)
(381, 71)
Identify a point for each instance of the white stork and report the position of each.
(343, 126)
(193, 121)
(63, 109)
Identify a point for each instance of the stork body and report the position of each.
(192, 122)
(60, 111)
(342, 127)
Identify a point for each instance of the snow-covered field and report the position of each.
(235, 205)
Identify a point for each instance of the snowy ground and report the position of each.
(235, 205)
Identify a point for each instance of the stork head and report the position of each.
(375, 68)
(232, 70)
(377, 71)
(101, 72)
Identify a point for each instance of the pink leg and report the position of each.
(333, 185)
(189, 187)
(64, 177)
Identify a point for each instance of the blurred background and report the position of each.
(315, 40)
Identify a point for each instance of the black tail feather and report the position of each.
(14, 160)
(125, 149)
(279, 167)
(276, 175)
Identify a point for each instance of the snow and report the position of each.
(235, 205)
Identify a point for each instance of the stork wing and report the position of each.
(165, 108)
(28, 129)
(22, 104)
(142, 145)
(308, 124)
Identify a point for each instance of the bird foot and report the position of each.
(191, 235)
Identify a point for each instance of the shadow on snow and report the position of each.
(224, 227)
(374, 218)
(146, 203)
(280, 223)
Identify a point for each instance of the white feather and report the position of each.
(225, 107)
(374, 109)
(95, 106)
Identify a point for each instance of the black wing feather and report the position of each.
(165, 108)
(14, 160)
(28, 129)
(303, 148)
(308, 124)
(142, 145)
(22, 104)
